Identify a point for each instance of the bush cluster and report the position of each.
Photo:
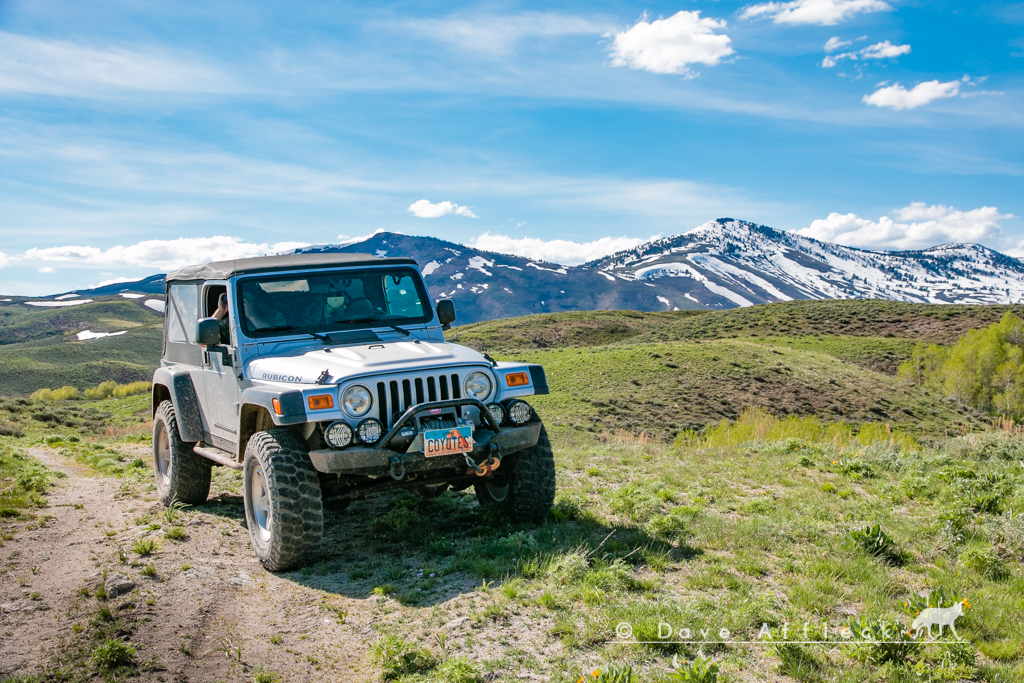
(984, 369)
(102, 390)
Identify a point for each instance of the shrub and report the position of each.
(262, 675)
(614, 674)
(113, 389)
(700, 670)
(63, 394)
(879, 641)
(674, 524)
(875, 541)
(400, 523)
(398, 657)
(144, 546)
(459, 670)
(939, 597)
(985, 562)
(113, 654)
(635, 501)
(7, 429)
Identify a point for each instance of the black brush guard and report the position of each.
(489, 440)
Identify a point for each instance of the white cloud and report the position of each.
(563, 252)
(819, 12)
(834, 43)
(498, 34)
(668, 46)
(425, 209)
(46, 269)
(4, 260)
(160, 254)
(897, 97)
(917, 226)
(883, 50)
(54, 67)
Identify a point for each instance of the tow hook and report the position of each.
(492, 463)
(397, 468)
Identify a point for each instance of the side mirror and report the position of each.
(446, 312)
(208, 332)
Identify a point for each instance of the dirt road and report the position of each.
(206, 611)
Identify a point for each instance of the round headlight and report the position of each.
(519, 412)
(338, 434)
(478, 385)
(357, 400)
(370, 431)
(497, 412)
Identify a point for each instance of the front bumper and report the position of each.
(488, 439)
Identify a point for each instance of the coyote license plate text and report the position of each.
(447, 441)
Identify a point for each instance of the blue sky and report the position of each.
(141, 135)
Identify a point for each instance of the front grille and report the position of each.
(395, 396)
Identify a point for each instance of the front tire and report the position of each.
(525, 487)
(181, 474)
(283, 505)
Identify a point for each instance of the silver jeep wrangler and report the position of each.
(325, 377)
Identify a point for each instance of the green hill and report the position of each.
(39, 347)
(664, 388)
(609, 370)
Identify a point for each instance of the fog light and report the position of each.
(338, 434)
(519, 412)
(370, 431)
(497, 412)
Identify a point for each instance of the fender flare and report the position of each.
(178, 384)
(293, 410)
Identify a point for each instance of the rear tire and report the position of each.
(283, 505)
(526, 486)
(181, 474)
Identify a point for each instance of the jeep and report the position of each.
(327, 377)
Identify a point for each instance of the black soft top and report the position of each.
(222, 270)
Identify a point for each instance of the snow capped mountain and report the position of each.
(727, 263)
(722, 264)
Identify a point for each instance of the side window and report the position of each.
(402, 297)
(213, 293)
(182, 313)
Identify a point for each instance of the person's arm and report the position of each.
(222, 307)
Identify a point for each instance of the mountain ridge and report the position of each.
(721, 264)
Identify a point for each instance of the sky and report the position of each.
(139, 136)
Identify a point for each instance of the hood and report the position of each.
(354, 361)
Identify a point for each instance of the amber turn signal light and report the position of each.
(277, 406)
(321, 402)
(517, 379)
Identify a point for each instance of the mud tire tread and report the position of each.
(297, 508)
(532, 493)
(188, 474)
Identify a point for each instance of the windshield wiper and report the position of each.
(289, 328)
(379, 322)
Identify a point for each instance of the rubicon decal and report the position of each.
(272, 377)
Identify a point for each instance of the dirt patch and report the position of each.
(208, 612)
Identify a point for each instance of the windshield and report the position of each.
(340, 300)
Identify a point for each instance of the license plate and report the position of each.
(447, 441)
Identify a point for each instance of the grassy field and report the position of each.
(745, 527)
